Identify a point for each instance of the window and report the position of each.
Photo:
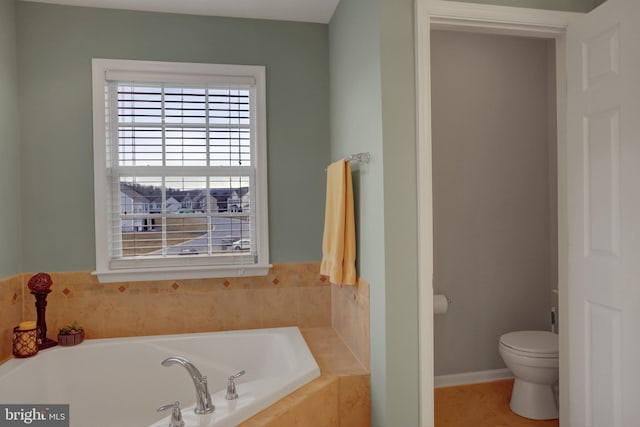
(180, 170)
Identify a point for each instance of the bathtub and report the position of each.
(119, 382)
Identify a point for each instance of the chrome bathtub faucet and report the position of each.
(203, 397)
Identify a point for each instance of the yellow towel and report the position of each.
(339, 239)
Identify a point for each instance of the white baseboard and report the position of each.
(471, 377)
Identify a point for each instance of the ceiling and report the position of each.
(319, 11)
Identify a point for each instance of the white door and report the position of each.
(603, 177)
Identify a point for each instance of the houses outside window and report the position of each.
(180, 170)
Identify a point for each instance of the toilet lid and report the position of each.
(539, 342)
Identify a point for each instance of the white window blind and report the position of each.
(183, 174)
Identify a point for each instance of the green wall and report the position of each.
(566, 5)
(373, 109)
(55, 48)
(372, 65)
(356, 126)
(10, 240)
(400, 210)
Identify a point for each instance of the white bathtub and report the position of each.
(119, 382)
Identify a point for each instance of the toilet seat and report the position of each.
(538, 344)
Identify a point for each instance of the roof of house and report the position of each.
(153, 194)
(132, 193)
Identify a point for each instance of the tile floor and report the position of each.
(480, 405)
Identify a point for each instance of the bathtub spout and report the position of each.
(203, 397)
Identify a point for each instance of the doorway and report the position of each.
(494, 145)
(598, 106)
(446, 15)
(495, 205)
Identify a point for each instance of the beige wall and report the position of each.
(494, 202)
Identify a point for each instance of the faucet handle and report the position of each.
(232, 394)
(238, 375)
(176, 414)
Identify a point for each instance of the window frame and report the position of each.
(183, 73)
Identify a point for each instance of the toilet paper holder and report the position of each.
(441, 303)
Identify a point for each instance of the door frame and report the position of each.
(481, 18)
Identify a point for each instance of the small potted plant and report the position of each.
(71, 335)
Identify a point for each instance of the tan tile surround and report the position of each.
(340, 397)
(290, 295)
(10, 312)
(335, 321)
(350, 318)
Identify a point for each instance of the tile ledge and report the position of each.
(335, 360)
(333, 356)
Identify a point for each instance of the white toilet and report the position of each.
(532, 357)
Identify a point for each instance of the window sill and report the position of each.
(177, 273)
